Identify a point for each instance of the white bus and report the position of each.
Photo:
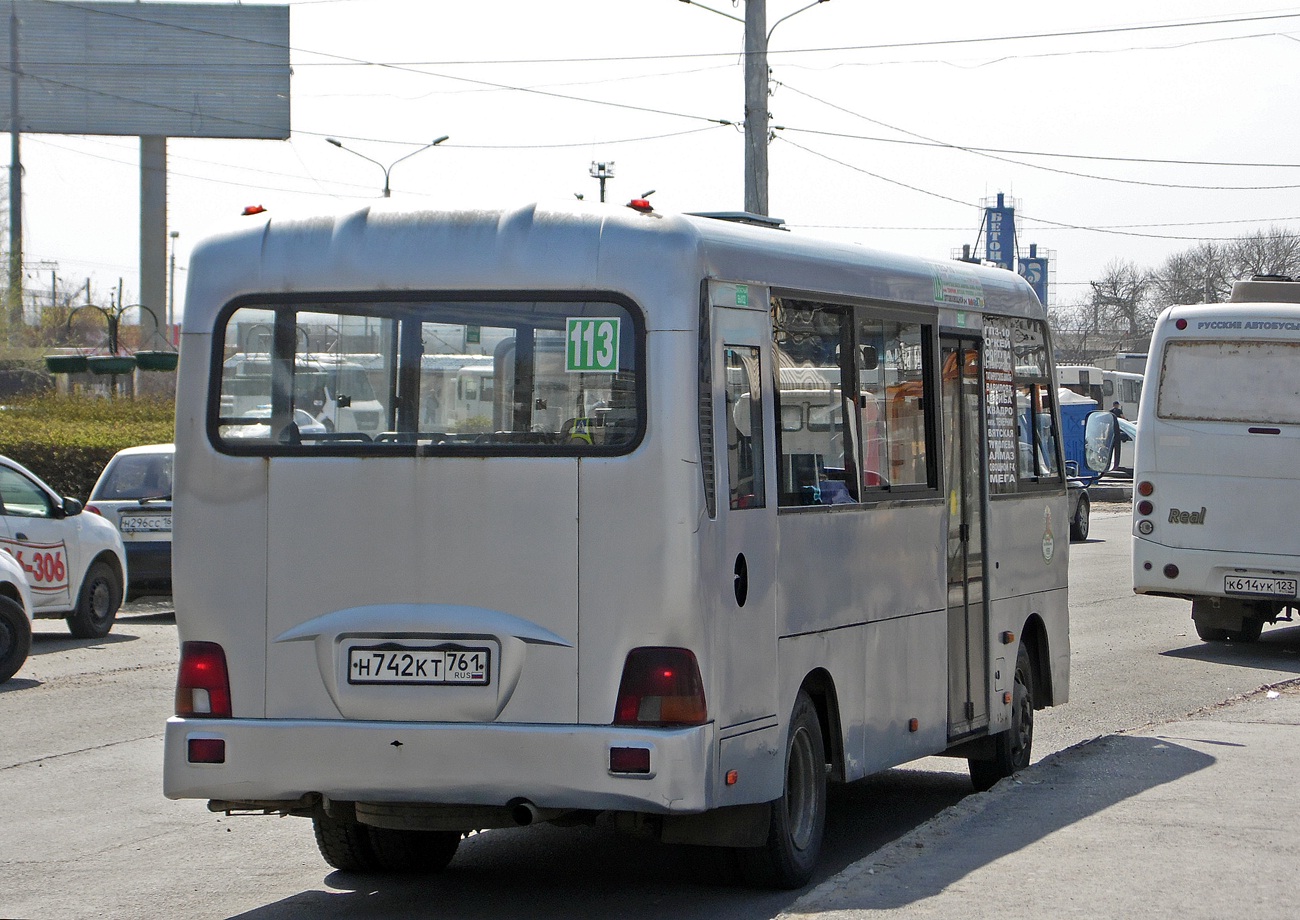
(664, 583)
(1216, 477)
(1106, 387)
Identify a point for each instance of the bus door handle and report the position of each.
(741, 584)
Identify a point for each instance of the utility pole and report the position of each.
(756, 114)
(758, 128)
(15, 292)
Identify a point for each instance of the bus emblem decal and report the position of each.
(1187, 517)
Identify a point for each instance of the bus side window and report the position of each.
(744, 415)
(817, 453)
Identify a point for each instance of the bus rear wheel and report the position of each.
(794, 838)
(350, 846)
(1011, 748)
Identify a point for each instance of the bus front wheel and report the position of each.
(794, 838)
(1011, 748)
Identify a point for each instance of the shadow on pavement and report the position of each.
(1061, 790)
(1278, 649)
(550, 872)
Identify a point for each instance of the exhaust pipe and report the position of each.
(524, 813)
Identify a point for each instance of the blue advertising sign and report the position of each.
(1000, 235)
(1034, 270)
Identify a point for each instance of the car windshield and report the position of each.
(136, 476)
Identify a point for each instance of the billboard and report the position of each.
(146, 69)
(1000, 235)
(1034, 270)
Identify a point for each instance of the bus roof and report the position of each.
(606, 248)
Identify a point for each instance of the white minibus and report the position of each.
(743, 513)
(1216, 477)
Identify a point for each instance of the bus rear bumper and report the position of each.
(550, 766)
(1191, 573)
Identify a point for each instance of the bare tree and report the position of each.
(1275, 251)
(1121, 299)
(1200, 274)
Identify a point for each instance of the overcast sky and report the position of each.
(1126, 130)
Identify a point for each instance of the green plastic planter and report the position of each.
(110, 364)
(157, 360)
(65, 364)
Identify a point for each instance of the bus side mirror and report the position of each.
(344, 401)
(1099, 433)
(870, 358)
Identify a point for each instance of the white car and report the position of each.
(15, 617)
(74, 563)
(307, 426)
(134, 493)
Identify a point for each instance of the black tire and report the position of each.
(794, 838)
(343, 841)
(350, 846)
(15, 638)
(1080, 525)
(1251, 627)
(1011, 748)
(97, 605)
(1210, 633)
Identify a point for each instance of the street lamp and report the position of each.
(171, 285)
(757, 35)
(601, 172)
(387, 169)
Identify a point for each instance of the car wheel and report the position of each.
(1079, 526)
(1011, 748)
(97, 605)
(15, 638)
(794, 838)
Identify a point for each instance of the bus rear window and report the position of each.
(441, 376)
(1235, 381)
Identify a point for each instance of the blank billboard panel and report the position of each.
(164, 69)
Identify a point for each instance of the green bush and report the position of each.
(67, 440)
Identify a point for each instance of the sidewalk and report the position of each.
(1194, 819)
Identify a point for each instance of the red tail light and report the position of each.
(94, 510)
(661, 686)
(203, 684)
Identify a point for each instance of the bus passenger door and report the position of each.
(964, 477)
(744, 648)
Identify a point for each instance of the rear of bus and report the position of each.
(487, 614)
(1216, 472)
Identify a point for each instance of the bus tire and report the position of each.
(15, 638)
(101, 596)
(1011, 748)
(343, 841)
(350, 846)
(794, 838)
(1080, 525)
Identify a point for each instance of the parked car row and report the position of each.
(60, 559)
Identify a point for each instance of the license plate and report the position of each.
(441, 665)
(145, 523)
(1251, 584)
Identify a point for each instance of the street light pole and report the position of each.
(171, 285)
(756, 114)
(757, 117)
(387, 169)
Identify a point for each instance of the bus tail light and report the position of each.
(660, 686)
(1146, 487)
(203, 684)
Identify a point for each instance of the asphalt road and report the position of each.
(86, 832)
